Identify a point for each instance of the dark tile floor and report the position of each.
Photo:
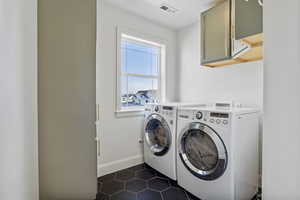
(141, 182)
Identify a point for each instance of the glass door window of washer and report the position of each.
(157, 135)
(203, 152)
(139, 73)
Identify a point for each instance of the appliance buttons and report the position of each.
(218, 121)
(156, 108)
(184, 116)
(199, 115)
(225, 122)
(212, 121)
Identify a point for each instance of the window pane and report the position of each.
(141, 91)
(139, 59)
(124, 91)
(155, 83)
(155, 64)
(123, 60)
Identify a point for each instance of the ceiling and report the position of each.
(188, 10)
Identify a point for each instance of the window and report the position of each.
(139, 72)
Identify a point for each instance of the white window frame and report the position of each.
(143, 39)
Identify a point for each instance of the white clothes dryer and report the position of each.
(218, 156)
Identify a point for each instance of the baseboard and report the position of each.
(119, 165)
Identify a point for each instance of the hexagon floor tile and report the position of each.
(149, 195)
(175, 193)
(146, 174)
(140, 182)
(159, 184)
(136, 185)
(112, 187)
(125, 175)
(124, 195)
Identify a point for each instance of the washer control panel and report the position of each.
(217, 118)
(219, 115)
(168, 111)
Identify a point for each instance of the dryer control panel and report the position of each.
(219, 115)
(211, 117)
(205, 116)
(168, 111)
(219, 118)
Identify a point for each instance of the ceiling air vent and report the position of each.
(167, 8)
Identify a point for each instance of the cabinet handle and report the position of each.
(98, 146)
(98, 112)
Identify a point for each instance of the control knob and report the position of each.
(199, 115)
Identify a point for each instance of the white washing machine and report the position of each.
(218, 156)
(160, 130)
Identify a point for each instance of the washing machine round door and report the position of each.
(157, 134)
(202, 151)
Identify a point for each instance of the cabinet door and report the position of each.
(248, 17)
(215, 33)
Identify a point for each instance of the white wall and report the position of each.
(281, 146)
(242, 83)
(119, 136)
(18, 100)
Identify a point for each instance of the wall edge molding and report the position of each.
(117, 165)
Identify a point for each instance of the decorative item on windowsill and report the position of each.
(260, 2)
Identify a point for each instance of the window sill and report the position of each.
(129, 113)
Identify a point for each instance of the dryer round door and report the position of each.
(157, 135)
(202, 151)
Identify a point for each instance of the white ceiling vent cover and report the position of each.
(168, 8)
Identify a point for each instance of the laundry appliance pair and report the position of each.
(211, 151)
